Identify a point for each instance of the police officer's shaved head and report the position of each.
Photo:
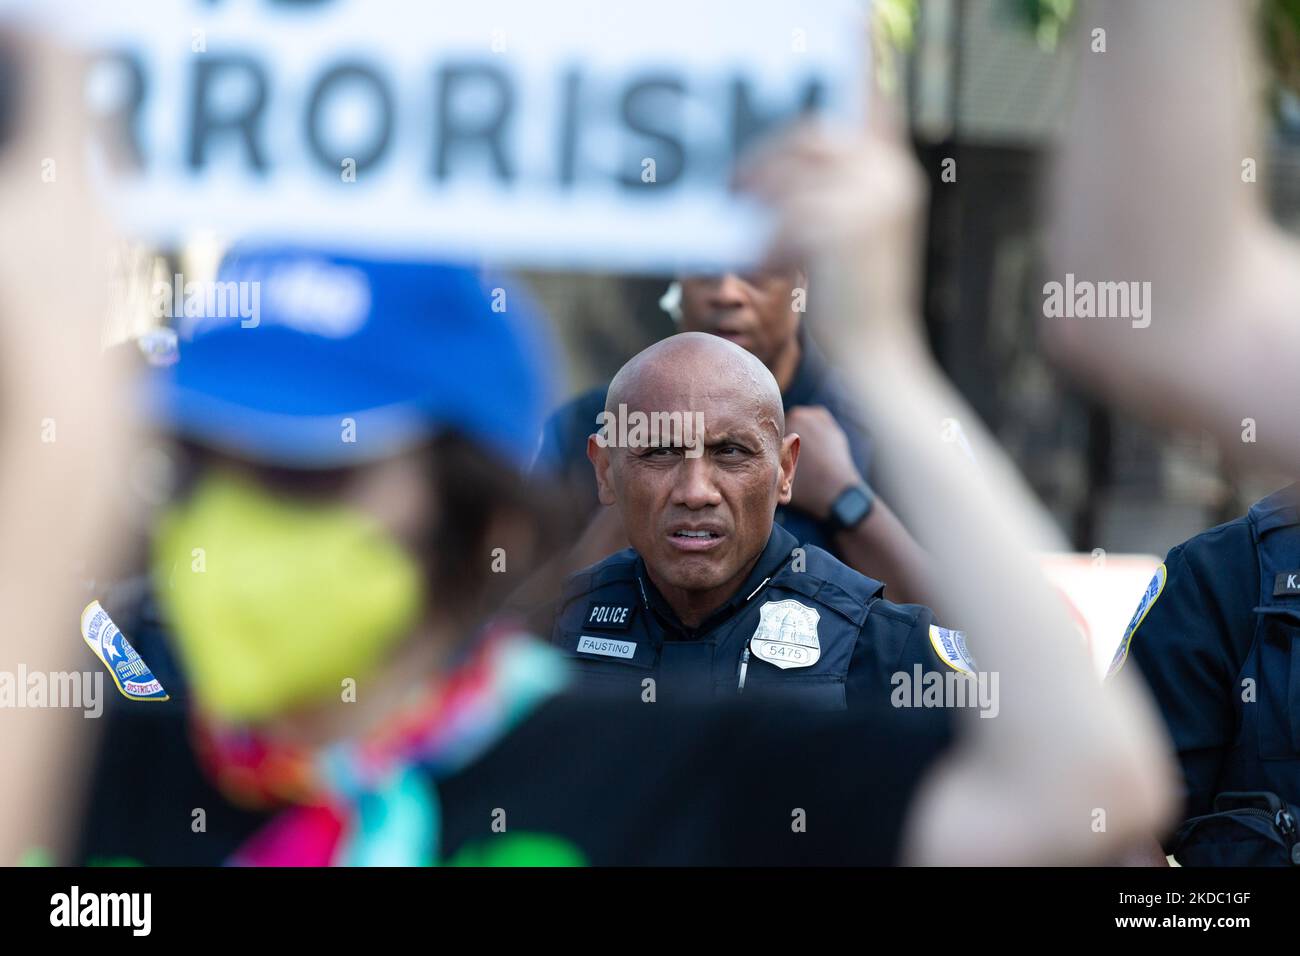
(698, 358)
(693, 453)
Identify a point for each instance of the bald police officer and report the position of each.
(713, 598)
(831, 505)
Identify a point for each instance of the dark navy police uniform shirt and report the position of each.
(563, 450)
(564, 773)
(803, 629)
(1217, 638)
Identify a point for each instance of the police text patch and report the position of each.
(606, 646)
(609, 617)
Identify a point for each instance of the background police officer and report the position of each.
(1216, 638)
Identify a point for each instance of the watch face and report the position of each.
(851, 507)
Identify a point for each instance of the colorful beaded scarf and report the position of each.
(373, 801)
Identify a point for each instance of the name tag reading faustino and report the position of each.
(787, 635)
(605, 646)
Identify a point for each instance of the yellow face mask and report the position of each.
(275, 604)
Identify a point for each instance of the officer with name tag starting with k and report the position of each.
(1217, 638)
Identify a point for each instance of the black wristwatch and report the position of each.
(851, 507)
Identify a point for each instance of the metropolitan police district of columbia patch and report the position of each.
(1144, 606)
(130, 672)
(787, 635)
(951, 648)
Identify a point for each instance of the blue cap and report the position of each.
(312, 360)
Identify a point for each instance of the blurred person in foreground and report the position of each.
(1171, 204)
(831, 505)
(1214, 635)
(713, 597)
(851, 207)
(59, 411)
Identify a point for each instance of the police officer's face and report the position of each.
(700, 521)
(755, 310)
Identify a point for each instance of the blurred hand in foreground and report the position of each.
(1024, 787)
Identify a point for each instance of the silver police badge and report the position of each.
(787, 635)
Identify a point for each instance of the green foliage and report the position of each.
(895, 22)
(1280, 31)
(893, 35)
(1048, 19)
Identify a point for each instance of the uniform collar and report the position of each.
(1279, 510)
(777, 551)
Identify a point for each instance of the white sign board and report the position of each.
(569, 133)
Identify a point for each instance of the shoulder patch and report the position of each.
(1148, 601)
(617, 568)
(951, 648)
(128, 669)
